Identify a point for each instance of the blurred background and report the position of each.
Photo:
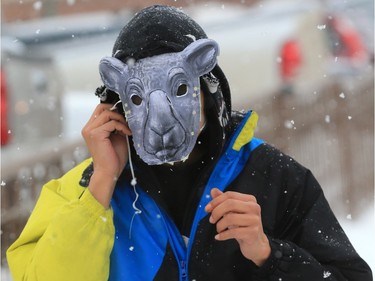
(306, 67)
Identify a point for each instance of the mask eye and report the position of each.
(137, 100)
(182, 90)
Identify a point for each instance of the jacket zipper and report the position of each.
(183, 270)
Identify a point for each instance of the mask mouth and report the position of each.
(164, 141)
(166, 153)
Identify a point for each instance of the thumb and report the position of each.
(215, 192)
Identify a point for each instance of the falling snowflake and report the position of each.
(321, 26)
(289, 124)
(37, 5)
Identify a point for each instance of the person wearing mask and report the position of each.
(177, 186)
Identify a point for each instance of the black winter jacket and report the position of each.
(306, 239)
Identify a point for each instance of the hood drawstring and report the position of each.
(134, 179)
(114, 107)
(133, 182)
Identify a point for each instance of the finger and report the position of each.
(219, 199)
(115, 127)
(234, 206)
(233, 220)
(103, 114)
(105, 130)
(215, 192)
(108, 115)
(104, 117)
(249, 234)
(98, 110)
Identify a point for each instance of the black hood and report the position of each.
(160, 29)
(156, 30)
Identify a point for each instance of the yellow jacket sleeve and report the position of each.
(69, 235)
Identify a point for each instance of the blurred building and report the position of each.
(15, 10)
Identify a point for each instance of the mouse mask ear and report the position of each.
(114, 73)
(161, 99)
(201, 55)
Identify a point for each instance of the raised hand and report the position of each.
(238, 216)
(105, 136)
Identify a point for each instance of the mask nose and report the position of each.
(164, 133)
(160, 113)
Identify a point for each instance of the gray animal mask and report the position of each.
(161, 99)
